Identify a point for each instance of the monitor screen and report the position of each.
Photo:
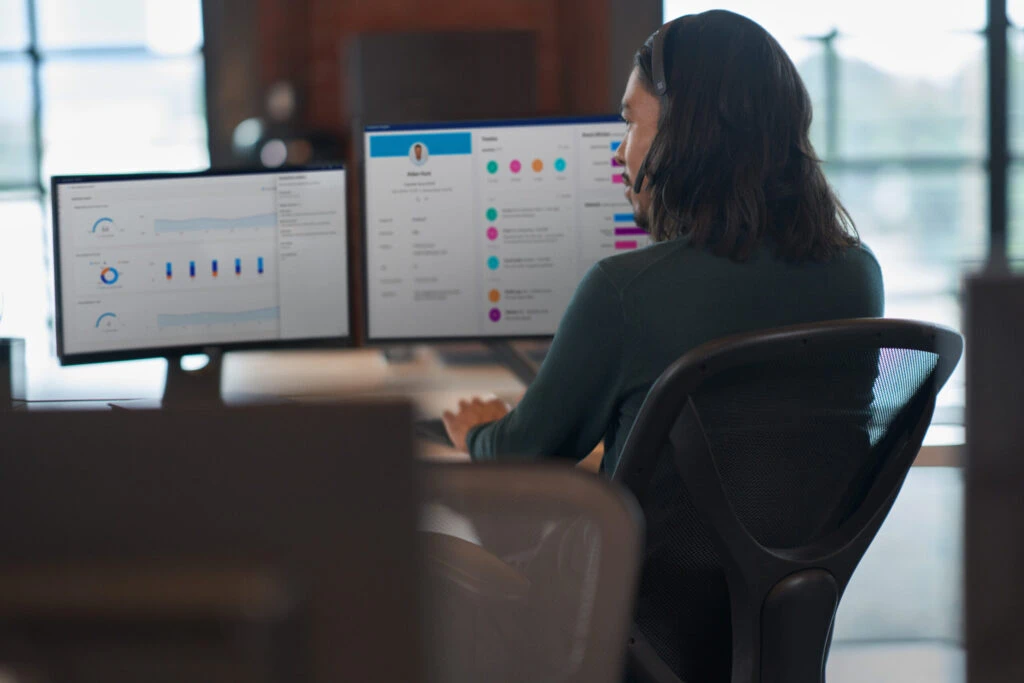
(483, 230)
(168, 263)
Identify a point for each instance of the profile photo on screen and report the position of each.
(419, 154)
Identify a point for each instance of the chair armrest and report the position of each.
(473, 568)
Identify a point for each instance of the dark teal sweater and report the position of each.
(636, 313)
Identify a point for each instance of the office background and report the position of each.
(900, 90)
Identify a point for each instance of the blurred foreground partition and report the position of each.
(994, 545)
(255, 544)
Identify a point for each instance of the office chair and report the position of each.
(765, 464)
(554, 604)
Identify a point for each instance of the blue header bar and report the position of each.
(437, 144)
(501, 123)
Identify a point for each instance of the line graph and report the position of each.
(218, 317)
(166, 225)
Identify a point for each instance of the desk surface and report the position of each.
(326, 375)
(315, 376)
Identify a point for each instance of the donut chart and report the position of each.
(109, 275)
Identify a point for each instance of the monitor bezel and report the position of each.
(442, 125)
(180, 350)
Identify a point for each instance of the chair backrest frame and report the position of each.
(751, 569)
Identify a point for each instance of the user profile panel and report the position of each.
(203, 260)
(486, 230)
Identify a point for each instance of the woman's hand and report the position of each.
(471, 414)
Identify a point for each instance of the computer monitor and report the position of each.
(483, 230)
(170, 264)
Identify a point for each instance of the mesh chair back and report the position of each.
(759, 457)
(531, 571)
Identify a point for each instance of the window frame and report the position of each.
(994, 159)
(36, 55)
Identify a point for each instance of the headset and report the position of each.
(657, 42)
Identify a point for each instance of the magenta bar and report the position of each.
(628, 244)
(617, 178)
(615, 162)
(629, 231)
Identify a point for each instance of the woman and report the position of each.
(748, 235)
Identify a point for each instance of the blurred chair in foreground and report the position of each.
(555, 602)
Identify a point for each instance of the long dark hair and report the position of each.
(732, 164)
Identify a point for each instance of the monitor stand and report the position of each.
(194, 388)
(185, 389)
(202, 388)
(517, 361)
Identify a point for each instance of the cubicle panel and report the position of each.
(265, 543)
(994, 504)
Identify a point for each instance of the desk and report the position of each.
(312, 376)
(327, 375)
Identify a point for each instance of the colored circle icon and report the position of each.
(494, 296)
(537, 165)
(493, 263)
(108, 275)
(492, 167)
(494, 315)
(492, 233)
(515, 166)
(560, 164)
(492, 214)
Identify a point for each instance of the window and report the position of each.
(90, 86)
(901, 122)
(1016, 103)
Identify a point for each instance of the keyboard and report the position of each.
(433, 430)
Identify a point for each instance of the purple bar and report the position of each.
(628, 244)
(630, 231)
(615, 162)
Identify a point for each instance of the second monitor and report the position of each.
(483, 230)
(170, 264)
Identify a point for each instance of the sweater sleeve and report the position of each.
(567, 409)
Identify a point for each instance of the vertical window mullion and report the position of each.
(37, 93)
(998, 138)
(831, 96)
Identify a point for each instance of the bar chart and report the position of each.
(199, 269)
(627, 234)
